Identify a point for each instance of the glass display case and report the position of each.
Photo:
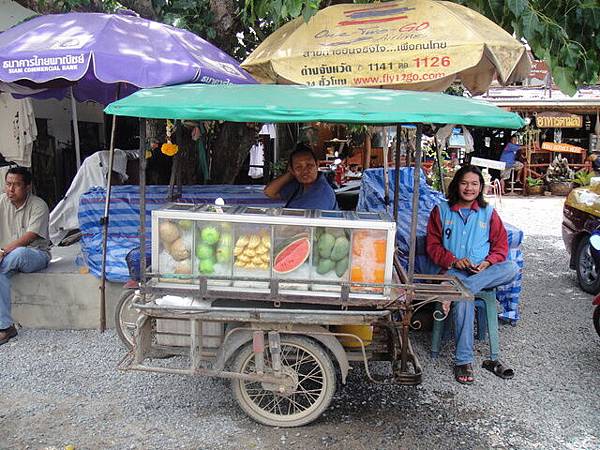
(244, 248)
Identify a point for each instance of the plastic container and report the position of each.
(365, 332)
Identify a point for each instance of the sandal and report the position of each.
(462, 374)
(498, 369)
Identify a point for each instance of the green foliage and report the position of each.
(279, 168)
(455, 89)
(534, 181)
(357, 133)
(564, 33)
(279, 11)
(583, 177)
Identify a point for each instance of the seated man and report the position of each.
(466, 238)
(509, 156)
(23, 239)
(302, 186)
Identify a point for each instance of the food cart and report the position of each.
(282, 301)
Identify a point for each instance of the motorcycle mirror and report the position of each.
(595, 240)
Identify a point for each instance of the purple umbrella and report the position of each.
(101, 57)
(98, 51)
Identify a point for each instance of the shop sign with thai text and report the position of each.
(562, 148)
(558, 120)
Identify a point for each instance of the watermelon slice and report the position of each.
(292, 256)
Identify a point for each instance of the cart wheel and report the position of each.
(306, 364)
(125, 318)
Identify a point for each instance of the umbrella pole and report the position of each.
(142, 176)
(75, 129)
(105, 228)
(415, 205)
(397, 174)
(386, 174)
(111, 157)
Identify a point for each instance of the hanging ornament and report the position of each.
(168, 148)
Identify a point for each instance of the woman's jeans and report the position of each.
(464, 311)
(21, 259)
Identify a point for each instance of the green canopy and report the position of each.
(292, 103)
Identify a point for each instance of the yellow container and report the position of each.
(365, 332)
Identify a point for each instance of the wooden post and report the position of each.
(367, 152)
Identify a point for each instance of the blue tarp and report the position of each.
(123, 234)
(371, 198)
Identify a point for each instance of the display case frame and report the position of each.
(284, 289)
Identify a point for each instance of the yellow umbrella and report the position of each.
(415, 44)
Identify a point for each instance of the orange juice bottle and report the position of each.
(380, 248)
(379, 275)
(356, 274)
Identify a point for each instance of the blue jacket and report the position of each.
(466, 239)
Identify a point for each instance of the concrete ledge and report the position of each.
(61, 298)
(61, 301)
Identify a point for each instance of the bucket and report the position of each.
(365, 332)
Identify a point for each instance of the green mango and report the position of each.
(325, 265)
(226, 240)
(223, 254)
(335, 232)
(325, 244)
(340, 248)
(341, 266)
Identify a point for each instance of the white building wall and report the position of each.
(58, 114)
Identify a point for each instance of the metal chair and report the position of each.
(487, 323)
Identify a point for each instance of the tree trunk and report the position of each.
(229, 150)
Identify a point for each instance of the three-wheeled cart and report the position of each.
(283, 301)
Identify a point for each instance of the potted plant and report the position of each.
(559, 176)
(535, 186)
(583, 177)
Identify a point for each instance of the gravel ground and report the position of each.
(61, 387)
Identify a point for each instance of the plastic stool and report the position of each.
(487, 323)
(512, 182)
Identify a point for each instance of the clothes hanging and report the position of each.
(257, 158)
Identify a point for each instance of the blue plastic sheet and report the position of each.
(371, 198)
(123, 234)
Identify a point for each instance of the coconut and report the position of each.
(184, 267)
(168, 231)
(179, 250)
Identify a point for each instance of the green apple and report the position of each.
(210, 235)
(206, 266)
(204, 251)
